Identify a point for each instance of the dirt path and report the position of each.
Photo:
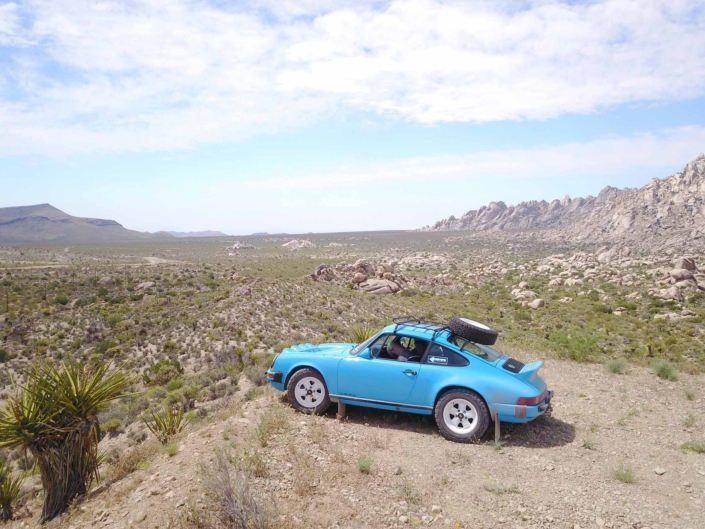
(550, 473)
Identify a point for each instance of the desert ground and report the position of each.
(195, 322)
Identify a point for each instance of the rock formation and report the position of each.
(669, 211)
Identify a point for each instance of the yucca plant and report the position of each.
(360, 333)
(166, 423)
(10, 488)
(54, 415)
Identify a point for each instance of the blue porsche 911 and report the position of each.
(449, 371)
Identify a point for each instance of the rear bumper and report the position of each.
(522, 414)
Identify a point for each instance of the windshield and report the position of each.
(483, 351)
(361, 347)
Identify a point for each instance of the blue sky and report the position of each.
(322, 115)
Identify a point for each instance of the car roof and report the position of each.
(425, 331)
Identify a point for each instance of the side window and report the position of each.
(442, 356)
(377, 347)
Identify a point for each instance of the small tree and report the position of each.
(54, 415)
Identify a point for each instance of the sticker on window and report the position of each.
(437, 360)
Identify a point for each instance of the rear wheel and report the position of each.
(307, 392)
(462, 415)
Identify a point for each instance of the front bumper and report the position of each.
(275, 376)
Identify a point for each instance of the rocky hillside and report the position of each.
(44, 224)
(667, 211)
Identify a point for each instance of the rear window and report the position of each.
(443, 356)
(483, 351)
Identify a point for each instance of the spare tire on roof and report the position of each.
(472, 330)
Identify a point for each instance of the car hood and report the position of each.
(334, 349)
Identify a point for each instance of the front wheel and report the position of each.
(307, 392)
(462, 416)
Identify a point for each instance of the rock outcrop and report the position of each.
(363, 275)
(669, 211)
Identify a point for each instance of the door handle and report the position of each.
(409, 372)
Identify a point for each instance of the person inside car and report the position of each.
(398, 352)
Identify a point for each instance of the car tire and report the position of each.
(307, 392)
(462, 416)
(472, 330)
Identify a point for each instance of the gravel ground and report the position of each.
(556, 472)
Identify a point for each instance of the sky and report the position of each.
(325, 116)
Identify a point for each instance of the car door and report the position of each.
(377, 379)
(441, 368)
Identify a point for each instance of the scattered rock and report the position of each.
(106, 281)
(537, 304)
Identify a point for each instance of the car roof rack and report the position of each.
(419, 323)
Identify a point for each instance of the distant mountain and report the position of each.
(259, 234)
(181, 234)
(44, 224)
(668, 211)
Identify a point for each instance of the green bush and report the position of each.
(61, 300)
(4, 356)
(163, 372)
(579, 348)
(175, 384)
(616, 366)
(112, 427)
(665, 369)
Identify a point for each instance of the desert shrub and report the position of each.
(665, 369)
(61, 300)
(256, 374)
(4, 356)
(624, 473)
(360, 333)
(364, 465)
(175, 384)
(163, 372)
(55, 416)
(272, 421)
(166, 423)
(112, 426)
(103, 346)
(10, 489)
(578, 347)
(616, 365)
(230, 500)
(694, 446)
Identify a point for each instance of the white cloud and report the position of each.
(610, 156)
(169, 74)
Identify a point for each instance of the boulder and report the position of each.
(239, 245)
(388, 275)
(565, 300)
(685, 263)
(673, 293)
(556, 282)
(687, 284)
(364, 267)
(524, 285)
(106, 281)
(324, 273)
(380, 286)
(537, 304)
(680, 274)
(359, 278)
(146, 285)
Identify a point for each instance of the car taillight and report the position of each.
(531, 401)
